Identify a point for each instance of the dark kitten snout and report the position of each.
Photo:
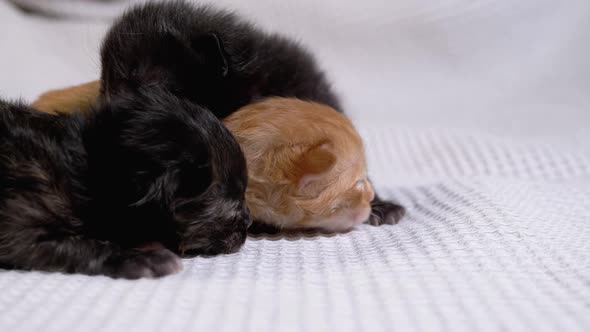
(221, 229)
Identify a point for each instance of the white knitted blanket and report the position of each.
(497, 238)
(476, 118)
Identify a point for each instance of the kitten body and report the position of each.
(79, 191)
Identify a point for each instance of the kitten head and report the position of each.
(306, 165)
(174, 162)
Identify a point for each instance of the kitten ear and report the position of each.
(211, 49)
(314, 164)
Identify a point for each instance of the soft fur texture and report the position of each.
(217, 60)
(289, 143)
(306, 165)
(208, 55)
(213, 58)
(78, 192)
(71, 99)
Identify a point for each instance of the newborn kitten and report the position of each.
(216, 59)
(306, 165)
(79, 191)
(171, 160)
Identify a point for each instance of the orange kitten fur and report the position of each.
(70, 99)
(306, 161)
(306, 165)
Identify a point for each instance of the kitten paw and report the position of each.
(151, 263)
(385, 213)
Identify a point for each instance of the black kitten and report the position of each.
(216, 59)
(79, 192)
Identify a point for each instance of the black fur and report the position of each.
(216, 59)
(79, 192)
(210, 56)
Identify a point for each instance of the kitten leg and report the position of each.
(385, 212)
(36, 249)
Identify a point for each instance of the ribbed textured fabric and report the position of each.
(496, 238)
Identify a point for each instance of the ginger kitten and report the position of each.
(67, 100)
(306, 165)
